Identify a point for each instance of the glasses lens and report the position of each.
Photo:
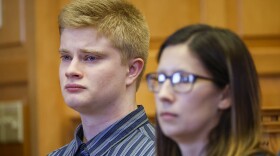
(161, 78)
(181, 82)
(152, 80)
(176, 78)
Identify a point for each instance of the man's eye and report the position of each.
(90, 58)
(66, 58)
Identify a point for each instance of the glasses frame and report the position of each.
(191, 77)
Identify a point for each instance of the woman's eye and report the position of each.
(90, 58)
(66, 58)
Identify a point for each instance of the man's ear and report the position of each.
(135, 67)
(225, 101)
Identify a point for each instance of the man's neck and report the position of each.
(96, 123)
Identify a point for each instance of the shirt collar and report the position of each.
(114, 133)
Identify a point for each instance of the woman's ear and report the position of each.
(225, 101)
(135, 67)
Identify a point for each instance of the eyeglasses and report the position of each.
(180, 81)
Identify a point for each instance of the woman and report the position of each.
(207, 95)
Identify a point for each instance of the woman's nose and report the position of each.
(166, 92)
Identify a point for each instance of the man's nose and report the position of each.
(74, 69)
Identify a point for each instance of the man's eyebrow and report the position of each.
(91, 51)
(85, 51)
(62, 50)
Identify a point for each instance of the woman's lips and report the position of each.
(168, 116)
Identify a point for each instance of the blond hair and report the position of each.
(118, 20)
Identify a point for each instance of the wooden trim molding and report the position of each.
(271, 119)
(12, 32)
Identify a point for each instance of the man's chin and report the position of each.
(73, 103)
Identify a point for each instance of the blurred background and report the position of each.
(34, 119)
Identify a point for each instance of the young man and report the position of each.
(103, 47)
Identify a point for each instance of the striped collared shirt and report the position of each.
(133, 135)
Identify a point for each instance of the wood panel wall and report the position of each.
(29, 60)
(15, 45)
